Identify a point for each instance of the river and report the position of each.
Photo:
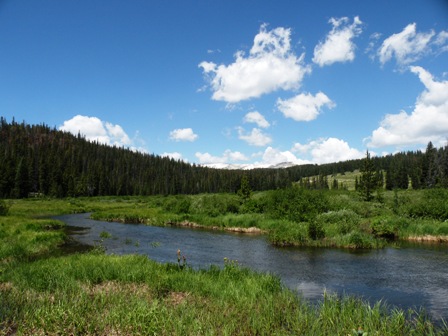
(411, 276)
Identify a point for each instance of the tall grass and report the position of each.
(95, 294)
(294, 216)
(45, 293)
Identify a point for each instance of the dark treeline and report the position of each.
(39, 160)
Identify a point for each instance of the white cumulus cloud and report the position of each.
(327, 150)
(227, 157)
(304, 106)
(273, 156)
(338, 45)
(94, 129)
(183, 134)
(271, 65)
(257, 118)
(255, 138)
(427, 122)
(408, 46)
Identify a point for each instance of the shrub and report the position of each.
(344, 221)
(4, 208)
(296, 204)
(433, 204)
(315, 230)
(288, 233)
(253, 206)
(360, 240)
(388, 227)
(443, 229)
(215, 205)
(179, 204)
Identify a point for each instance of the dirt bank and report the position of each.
(193, 225)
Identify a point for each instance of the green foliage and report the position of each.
(388, 226)
(252, 205)
(442, 230)
(433, 204)
(341, 221)
(214, 205)
(296, 204)
(361, 240)
(105, 235)
(368, 181)
(96, 294)
(315, 230)
(27, 239)
(4, 208)
(245, 191)
(179, 204)
(287, 233)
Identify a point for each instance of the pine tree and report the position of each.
(368, 181)
(21, 184)
(245, 192)
(335, 184)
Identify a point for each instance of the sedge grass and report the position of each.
(44, 293)
(95, 294)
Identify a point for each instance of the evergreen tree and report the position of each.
(21, 182)
(368, 181)
(245, 192)
(428, 169)
(335, 184)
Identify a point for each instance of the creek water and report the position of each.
(411, 276)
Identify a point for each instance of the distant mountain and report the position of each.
(249, 166)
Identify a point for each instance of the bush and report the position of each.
(388, 227)
(315, 230)
(433, 204)
(179, 204)
(287, 233)
(253, 206)
(215, 205)
(343, 221)
(296, 204)
(443, 229)
(360, 240)
(4, 208)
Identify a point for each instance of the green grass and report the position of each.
(346, 220)
(95, 294)
(45, 293)
(345, 180)
(342, 218)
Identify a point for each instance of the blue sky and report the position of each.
(252, 83)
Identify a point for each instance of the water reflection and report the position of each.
(408, 277)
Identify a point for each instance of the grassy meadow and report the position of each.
(46, 292)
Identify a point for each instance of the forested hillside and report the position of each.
(39, 160)
(42, 160)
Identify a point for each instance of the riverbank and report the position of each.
(297, 217)
(192, 225)
(45, 293)
(429, 239)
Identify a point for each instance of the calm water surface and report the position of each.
(408, 277)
